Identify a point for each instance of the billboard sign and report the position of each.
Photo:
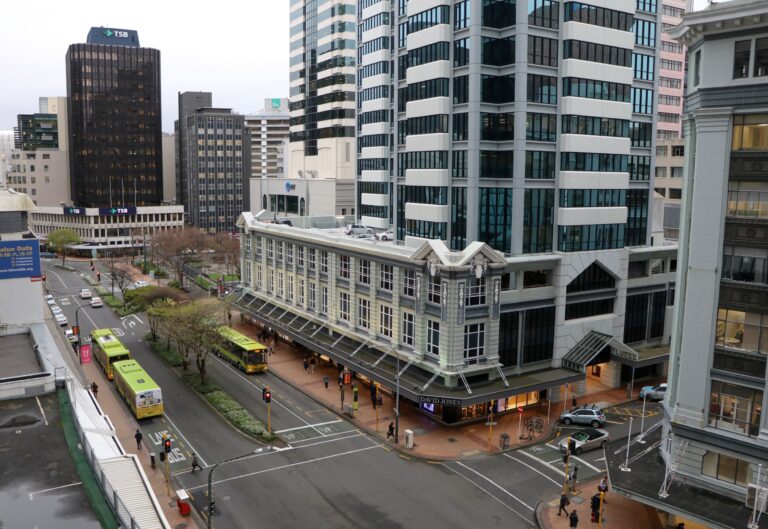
(117, 211)
(19, 258)
(85, 353)
(69, 210)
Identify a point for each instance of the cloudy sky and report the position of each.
(236, 49)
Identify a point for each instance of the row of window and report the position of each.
(595, 126)
(381, 19)
(592, 198)
(375, 116)
(594, 52)
(598, 16)
(591, 237)
(376, 68)
(435, 124)
(380, 43)
(430, 17)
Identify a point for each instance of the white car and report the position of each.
(71, 336)
(385, 235)
(654, 392)
(50, 300)
(85, 293)
(140, 284)
(61, 320)
(96, 302)
(56, 310)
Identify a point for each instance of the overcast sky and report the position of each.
(236, 49)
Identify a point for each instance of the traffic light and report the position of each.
(212, 506)
(267, 396)
(595, 503)
(167, 445)
(162, 456)
(264, 393)
(595, 514)
(76, 330)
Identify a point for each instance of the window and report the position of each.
(597, 16)
(645, 33)
(668, 82)
(749, 265)
(642, 101)
(644, 66)
(639, 167)
(495, 217)
(540, 164)
(343, 266)
(431, 17)
(538, 334)
(747, 199)
(602, 53)
(661, 172)
(461, 14)
(385, 321)
(607, 91)
(592, 198)
(542, 89)
(270, 251)
(672, 47)
(497, 127)
(498, 13)
(312, 262)
(458, 217)
(343, 306)
(364, 271)
(649, 6)
(637, 217)
(673, 101)
(433, 338)
(271, 280)
(586, 309)
(461, 52)
(496, 164)
(460, 89)
(434, 289)
(744, 331)
(323, 261)
(408, 328)
(725, 468)
(761, 57)
(424, 90)
(474, 343)
(409, 283)
(289, 254)
(741, 55)
(641, 134)
(459, 163)
(300, 293)
(363, 312)
(475, 293)
(544, 13)
(498, 89)
(598, 162)
(538, 220)
(324, 300)
(300, 256)
(676, 193)
(542, 50)
(668, 64)
(750, 132)
(541, 127)
(312, 296)
(437, 51)
(735, 408)
(591, 237)
(678, 150)
(595, 126)
(385, 277)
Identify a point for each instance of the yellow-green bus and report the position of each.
(246, 353)
(137, 388)
(107, 350)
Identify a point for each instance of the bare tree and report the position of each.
(228, 252)
(204, 334)
(121, 278)
(178, 248)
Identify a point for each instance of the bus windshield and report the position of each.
(255, 357)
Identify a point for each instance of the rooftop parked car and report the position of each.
(591, 415)
(585, 440)
(85, 293)
(96, 302)
(386, 235)
(654, 392)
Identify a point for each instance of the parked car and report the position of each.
(96, 302)
(50, 300)
(654, 392)
(140, 284)
(386, 235)
(357, 229)
(71, 336)
(590, 414)
(85, 293)
(61, 320)
(55, 309)
(47, 255)
(586, 440)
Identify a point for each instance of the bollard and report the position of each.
(152, 459)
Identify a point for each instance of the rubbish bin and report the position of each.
(409, 438)
(349, 410)
(504, 441)
(182, 500)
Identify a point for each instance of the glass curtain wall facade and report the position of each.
(448, 103)
(114, 124)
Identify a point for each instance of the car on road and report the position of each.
(47, 255)
(590, 414)
(71, 336)
(61, 319)
(654, 392)
(388, 235)
(85, 293)
(55, 309)
(96, 302)
(585, 440)
(140, 284)
(50, 300)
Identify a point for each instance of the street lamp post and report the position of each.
(210, 481)
(397, 396)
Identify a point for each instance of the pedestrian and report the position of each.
(603, 487)
(574, 477)
(574, 519)
(326, 380)
(195, 464)
(312, 365)
(564, 502)
(306, 365)
(391, 430)
(94, 389)
(139, 436)
(91, 264)
(269, 351)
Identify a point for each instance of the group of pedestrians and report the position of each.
(565, 501)
(309, 365)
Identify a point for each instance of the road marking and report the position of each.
(534, 469)
(290, 465)
(584, 462)
(308, 426)
(325, 440)
(185, 439)
(614, 422)
(57, 275)
(118, 331)
(54, 488)
(84, 312)
(489, 480)
(525, 518)
(548, 464)
(41, 411)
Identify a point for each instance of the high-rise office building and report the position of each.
(214, 155)
(188, 103)
(322, 89)
(113, 86)
(714, 433)
(671, 72)
(269, 129)
(6, 147)
(526, 125)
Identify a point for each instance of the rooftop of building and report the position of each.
(11, 200)
(17, 356)
(722, 17)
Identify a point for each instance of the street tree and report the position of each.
(178, 248)
(228, 251)
(204, 334)
(121, 278)
(62, 239)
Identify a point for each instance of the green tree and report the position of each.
(62, 239)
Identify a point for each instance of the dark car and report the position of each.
(47, 255)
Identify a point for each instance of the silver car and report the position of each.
(591, 415)
(585, 440)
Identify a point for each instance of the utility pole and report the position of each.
(211, 503)
(397, 396)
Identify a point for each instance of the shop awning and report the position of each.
(581, 354)
(642, 356)
(371, 359)
(585, 351)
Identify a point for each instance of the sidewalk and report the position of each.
(618, 511)
(125, 427)
(432, 440)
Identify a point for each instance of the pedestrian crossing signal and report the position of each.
(167, 446)
(267, 396)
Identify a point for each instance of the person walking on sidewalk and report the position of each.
(326, 380)
(391, 431)
(306, 365)
(564, 502)
(312, 365)
(94, 389)
(574, 519)
(573, 478)
(195, 464)
(603, 487)
(139, 436)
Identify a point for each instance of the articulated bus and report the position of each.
(107, 350)
(139, 391)
(241, 351)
